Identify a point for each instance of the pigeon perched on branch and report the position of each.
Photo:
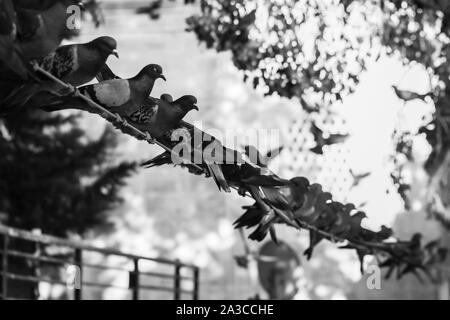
(74, 64)
(250, 218)
(209, 153)
(309, 211)
(155, 118)
(124, 96)
(324, 222)
(289, 197)
(77, 64)
(158, 116)
(252, 175)
(120, 96)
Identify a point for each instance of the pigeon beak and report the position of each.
(115, 53)
(194, 107)
(81, 5)
(162, 77)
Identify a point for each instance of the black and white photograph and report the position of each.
(240, 152)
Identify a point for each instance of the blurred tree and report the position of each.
(54, 179)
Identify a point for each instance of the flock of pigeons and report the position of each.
(30, 37)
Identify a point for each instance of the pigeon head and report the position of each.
(386, 232)
(300, 183)
(188, 102)
(166, 97)
(105, 45)
(360, 215)
(153, 71)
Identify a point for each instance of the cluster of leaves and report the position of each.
(289, 48)
(298, 48)
(419, 31)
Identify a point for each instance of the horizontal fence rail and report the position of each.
(30, 262)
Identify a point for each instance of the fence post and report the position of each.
(177, 282)
(79, 262)
(135, 281)
(196, 283)
(5, 266)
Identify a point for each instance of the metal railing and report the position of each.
(33, 259)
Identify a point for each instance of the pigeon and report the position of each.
(434, 253)
(415, 257)
(277, 205)
(155, 116)
(266, 225)
(158, 116)
(78, 64)
(214, 168)
(254, 216)
(209, 153)
(311, 208)
(250, 218)
(355, 228)
(124, 96)
(166, 97)
(327, 218)
(335, 219)
(379, 236)
(321, 141)
(362, 252)
(342, 223)
(290, 197)
(391, 263)
(267, 217)
(120, 96)
(402, 255)
(41, 32)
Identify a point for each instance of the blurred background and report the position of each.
(169, 213)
